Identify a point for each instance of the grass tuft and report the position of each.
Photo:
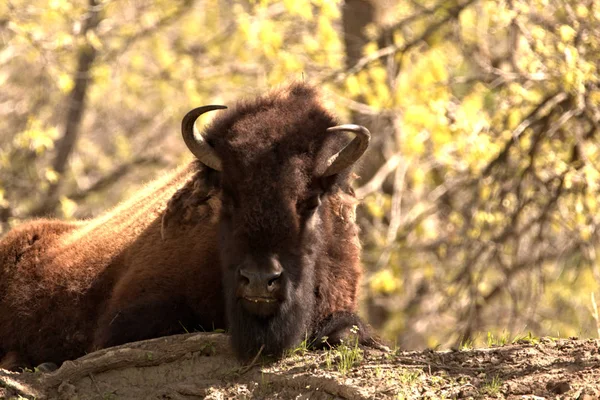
(492, 386)
(345, 355)
(302, 348)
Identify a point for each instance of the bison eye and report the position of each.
(309, 205)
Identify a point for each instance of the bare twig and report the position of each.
(253, 362)
(536, 114)
(395, 216)
(162, 22)
(377, 180)
(357, 106)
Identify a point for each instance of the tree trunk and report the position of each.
(356, 16)
(76, 108)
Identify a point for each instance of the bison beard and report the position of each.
(290, 324)
(293, 319)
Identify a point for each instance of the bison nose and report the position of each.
(261, 279)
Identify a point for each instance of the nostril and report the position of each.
(252, 277)
(273, 278)
(244, 276)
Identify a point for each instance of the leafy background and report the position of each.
(481, 193)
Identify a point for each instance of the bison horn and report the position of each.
(352, 152)
(196, 143)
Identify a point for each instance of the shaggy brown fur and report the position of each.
(168, 260)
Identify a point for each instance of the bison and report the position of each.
(257, 236)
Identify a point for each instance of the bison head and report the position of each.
(276, 161)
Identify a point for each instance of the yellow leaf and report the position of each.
(329, 8)
(586, 233)
(378, 74)
(384, 282)
(353, 85)
(65, 83)
(291, 62)
(68, 207)
(61, 5)
(567, 33)
(93, 40)
(582, 11)
(51, 175)
(370, 48)
(514, 118)
(571, 56)
(123, 147)
(375, 205)
(63, 39)
(301, 8)
(3, 200)
(537, 32)
(101, 74)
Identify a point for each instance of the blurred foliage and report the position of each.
(483, 210)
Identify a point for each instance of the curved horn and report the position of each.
(352, 152)
(196, 143)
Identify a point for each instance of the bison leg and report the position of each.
(143, 321)
(12, 361)
(342, 326)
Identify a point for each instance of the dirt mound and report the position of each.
(201, 365)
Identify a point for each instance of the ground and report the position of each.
(201, 365)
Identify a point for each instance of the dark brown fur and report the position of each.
(165, 261)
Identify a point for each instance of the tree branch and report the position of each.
(397, 49)
(111, 178)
